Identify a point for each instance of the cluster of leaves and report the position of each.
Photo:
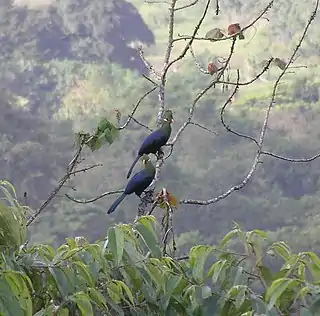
(105, 133)
(127, 274)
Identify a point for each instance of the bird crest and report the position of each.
(168, 116)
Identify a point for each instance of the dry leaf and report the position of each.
(164, 197)
(212, 68)
(280, 63)
(214, 34)
(234, 29)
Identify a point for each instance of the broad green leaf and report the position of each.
(116, 243)
(282, 249)
(115, 292)
(62, 282)
(216, 269)
(83, 303)
(241, 296)
(303, 292)
(156, 272)
(266, 274)
(277, 288)
(18, 285)
(258, 232)
(315, 270)
(71, 243)
(315, 259)
(9, 304)
(144, 227)
(97, 298)
(228, 237)
(197, 258)
(127, 291)
(83, 271)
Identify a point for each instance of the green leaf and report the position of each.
(144, 227)
(83, 303)
(266, 274)
(216, 269)
(116, 243)
(17, 284)
(9, 305)
(277, 288)
(127, 291)
(315, 259)
(241, 296)
(282, 249)
(228, 237)
(115, 291)
(97, 298)
(82, 269)
(197, 258)
(260, 233)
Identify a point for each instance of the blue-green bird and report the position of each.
(158, 138)
(138, 183)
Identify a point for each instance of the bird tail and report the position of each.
(241, 36)
(116, 203)
(132, 166)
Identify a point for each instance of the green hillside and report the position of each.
(58, 81)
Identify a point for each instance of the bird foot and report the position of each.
(160, 154)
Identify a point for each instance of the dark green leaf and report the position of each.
(197, 258)
(116, 243)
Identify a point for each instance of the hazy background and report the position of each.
(64, 64)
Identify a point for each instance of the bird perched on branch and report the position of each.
(138, 183)
(158, 138)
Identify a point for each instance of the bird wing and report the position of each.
(139, 182)
(153, 142)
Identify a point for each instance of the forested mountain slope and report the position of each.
(67, 65)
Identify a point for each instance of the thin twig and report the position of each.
(194, 2)
(200, 95)
(72, 164)
(263, 129)
(136, 107)
(95, 198)
(186, 37)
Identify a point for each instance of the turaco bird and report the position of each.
(138, 183)
(156, 139)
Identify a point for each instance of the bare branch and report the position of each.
(187, 47)
(194, 2)
(203, 127)
(200, 95)
(136, 107)
(297, 160)
(70, 170)
(186, 37)
(95, 198)
(141, 124)
(263, 129)
(217, 7)
(148, 65)
(227, 127)
(85, 169)
(167, 56)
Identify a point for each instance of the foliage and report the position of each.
(126, 274)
